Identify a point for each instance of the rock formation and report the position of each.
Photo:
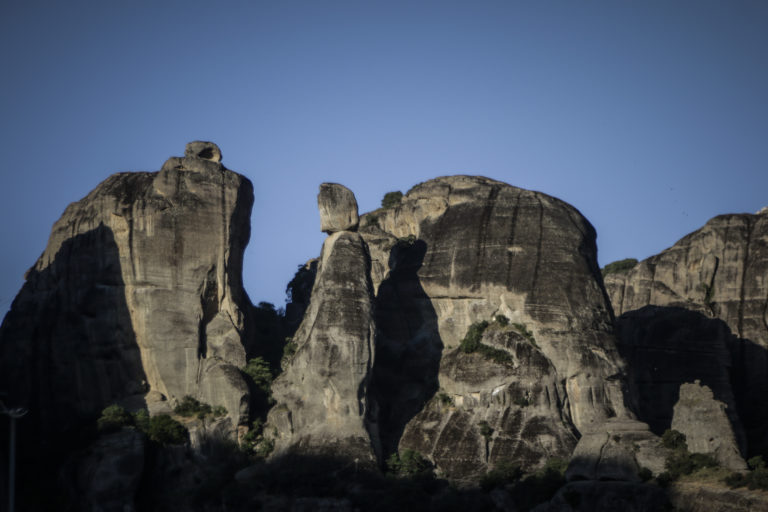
(721, 271)
(138, 293)
(463, 249)
(322, 404)
(338, 208)
(706, 427)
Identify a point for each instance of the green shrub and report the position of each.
(495, 354)
(165, 430)
(501, 320)
(673, 440)
(409, 464)
(190, 406)
(371, 220)
(471, 341)
(503, 472)
(682, 462)
(540, 486)
(755, 479)
(258, 370)
(445, 398)
(265, 447)
(141, 420)
(391, 199)
(113, 418)
(219, 410)
(619, 266)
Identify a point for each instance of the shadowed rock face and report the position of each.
(721, 271)
(139, 289)
(462, 249)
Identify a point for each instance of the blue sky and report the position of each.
(649, 117)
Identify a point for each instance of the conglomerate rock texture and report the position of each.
(138, 293)
(462, 249)
(719, 271)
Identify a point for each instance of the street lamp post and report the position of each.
(13, 414)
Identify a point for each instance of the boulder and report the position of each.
(706, 427)
(338, 208)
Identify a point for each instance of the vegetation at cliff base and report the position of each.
(190, 406)
(391, 199)
(260, 373)
(755, 479)
(680, 461)
(165, 430)
(471, 341)
(619, 266)
(409, 464)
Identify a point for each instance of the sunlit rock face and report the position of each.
(138, 290)
(322, 406)
(463, 249)
(338, 208)
(721, 272)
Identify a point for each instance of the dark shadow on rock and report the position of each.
(67, 350)
(408, 344)
(668, 346)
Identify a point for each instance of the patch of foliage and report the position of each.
(165, 430)
(372, 220)
(190, 406)
(501, 320)
(391, 199)
(674, 440)
(540, 486)
(522, 401)
(471, 341)
(409, 464)
(503, 473)
(113, 418)
(495, 354)
(619, 266)
(289, 349)
(260, 373)
(755, 479)
(445, 399)
(141, 420)
(407, 240)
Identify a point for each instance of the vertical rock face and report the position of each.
(706, 427)
(139, 289)
(322, 404)
(462, 249)
(721, 271)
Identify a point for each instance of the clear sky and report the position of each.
(649, 117)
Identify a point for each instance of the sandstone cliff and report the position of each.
(137, 294)
(720, 272)
(463, 249)
(322, 403)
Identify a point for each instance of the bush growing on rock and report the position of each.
(503, 473)
(409, 464)
(755, 479)
(113, 418)
(391, 199)
(258, 370)
(165, 430)
(471, 341)
(619, 266)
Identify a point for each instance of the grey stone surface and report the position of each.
(322, 404)
(719, 271)
(706, 427)
(462, 249)
(338, 208)
(204, 150)
(139, 290)
(617, 450)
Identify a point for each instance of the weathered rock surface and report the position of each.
(706, 427)
(322, 405)
(338, 208)
(617, 450)
(489, 411)
(720, 270)
(138, 290)
(462, 249)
